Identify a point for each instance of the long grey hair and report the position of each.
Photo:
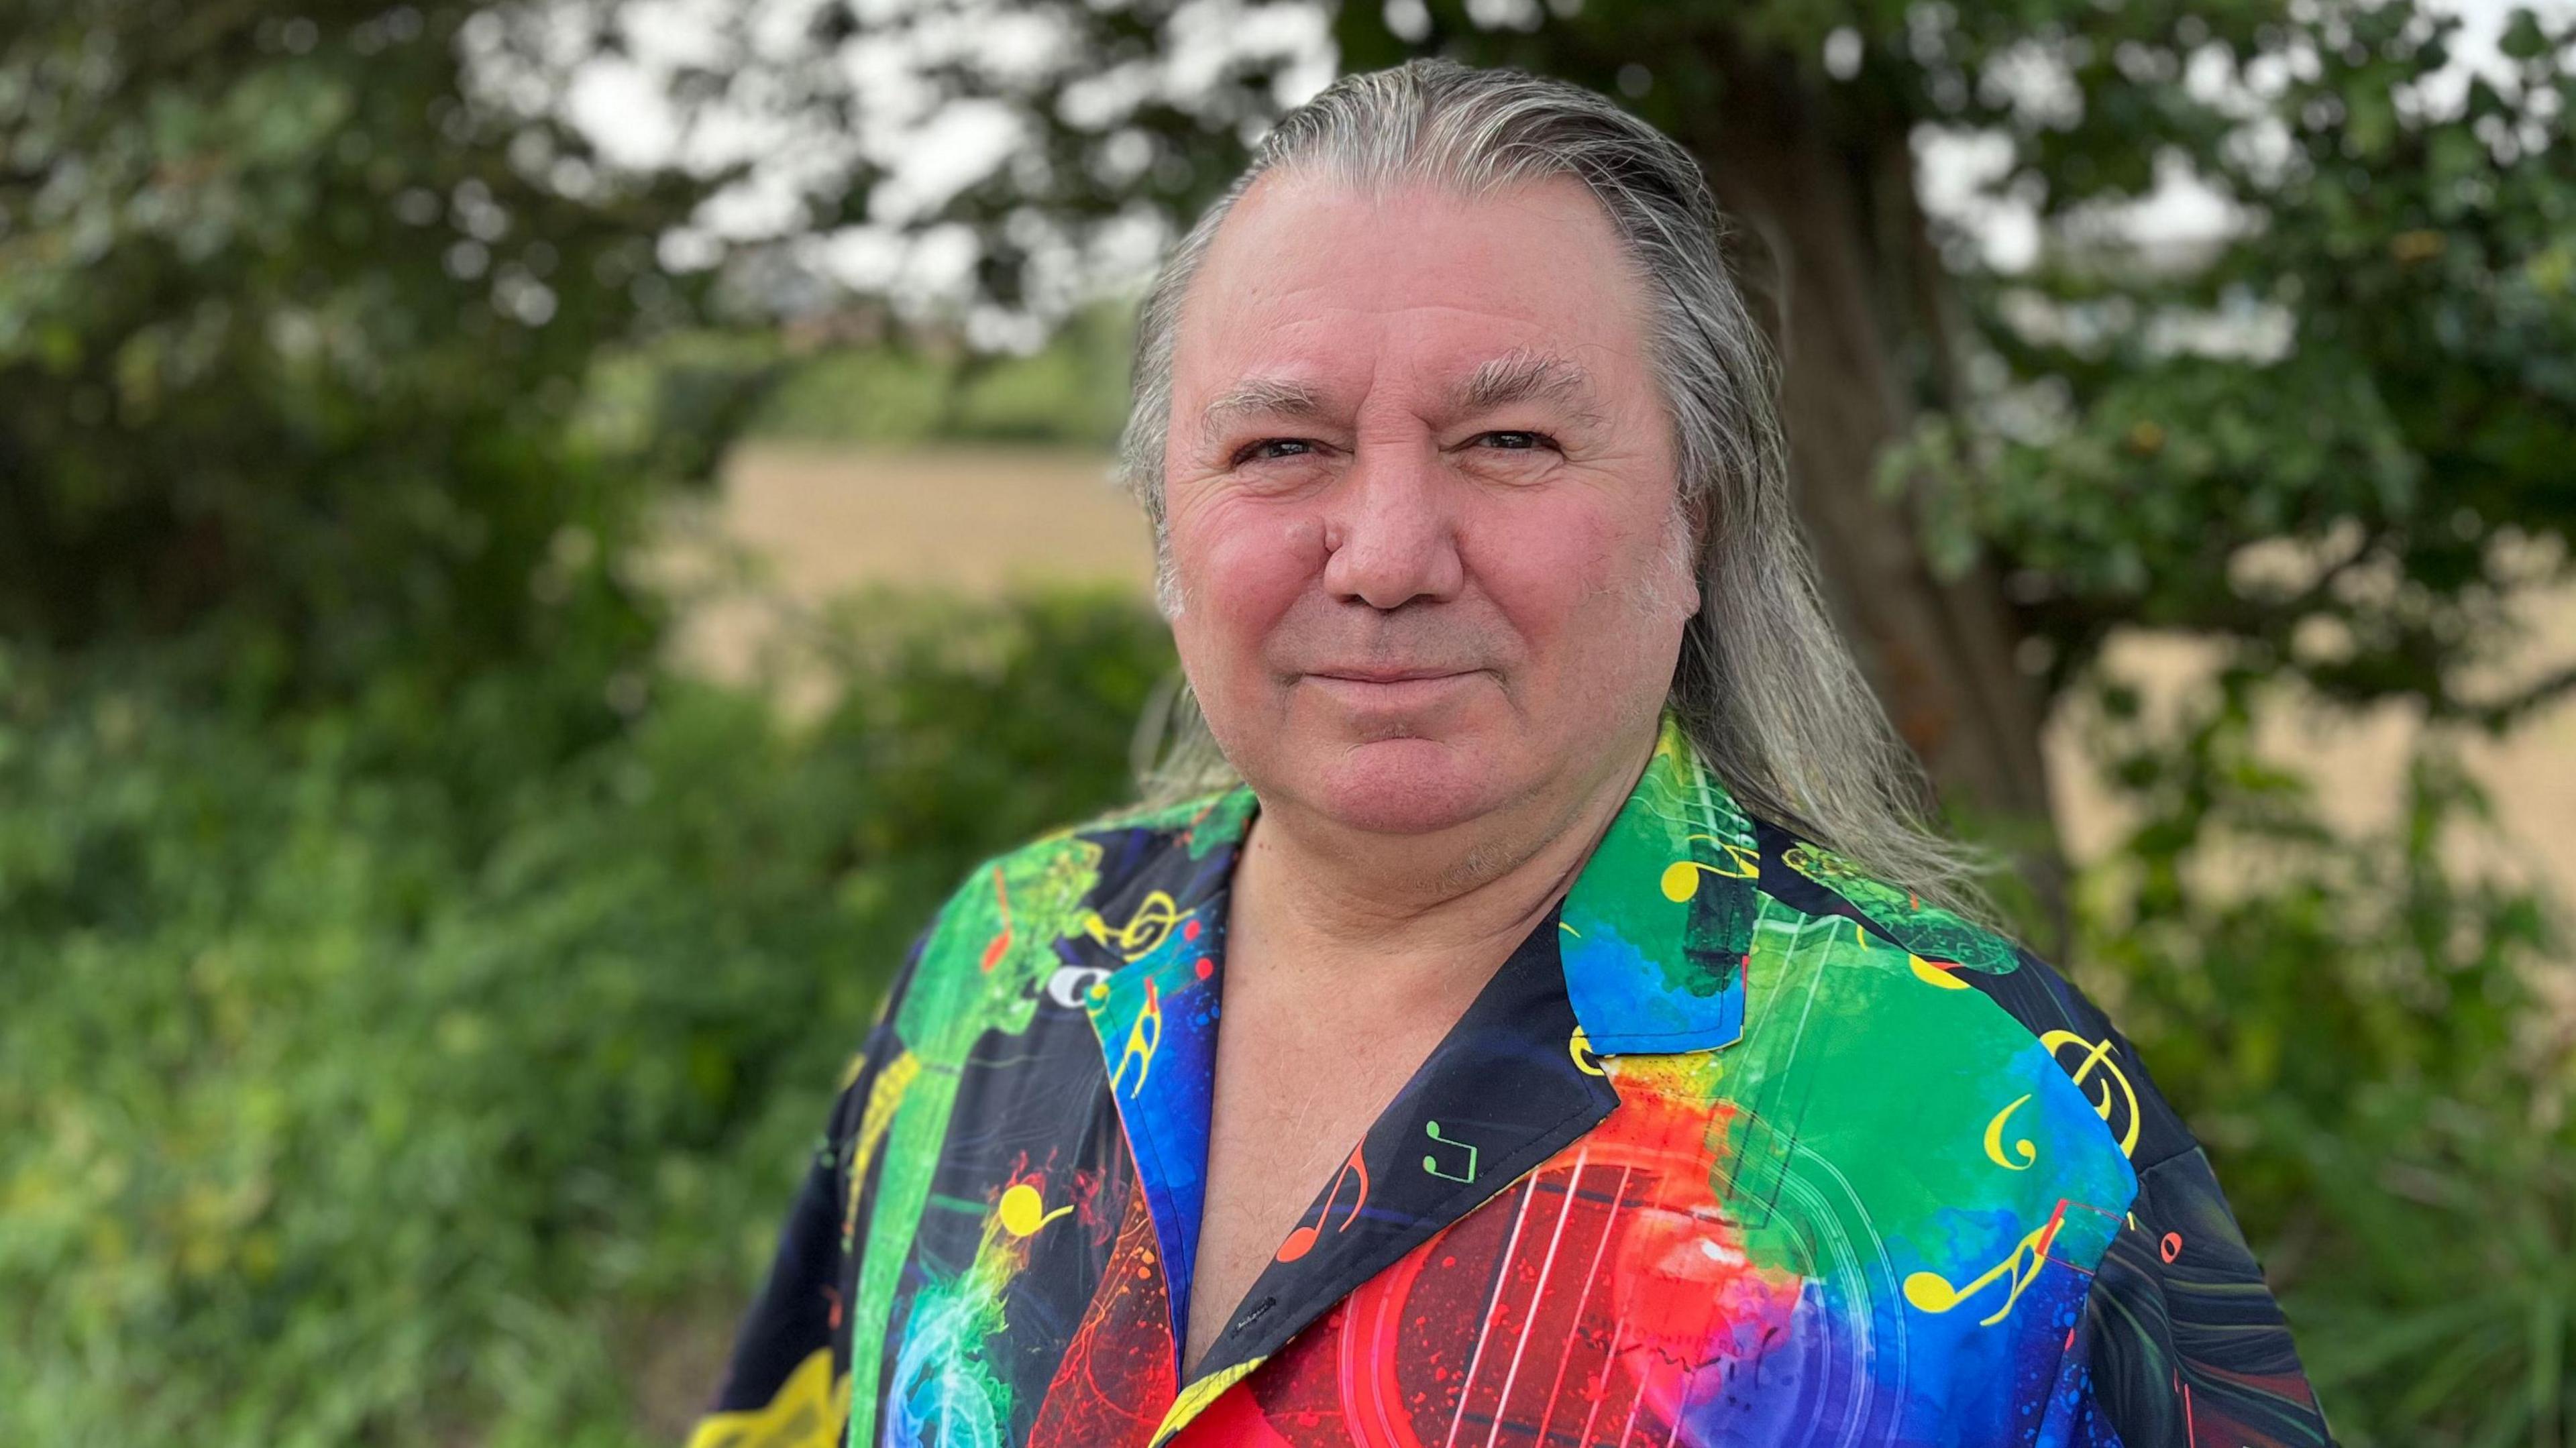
(1765, 686)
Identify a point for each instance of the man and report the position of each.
(1597, 1063)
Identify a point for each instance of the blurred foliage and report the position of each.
(2329, 438)
(693, 390)
(377, 1071)
(2331, 433)
(2374, 1034)
(419, 997)
(292, 313)
(1071, 392)
(2338, 440)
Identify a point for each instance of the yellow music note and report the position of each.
(1579, 1046)
(2099, 1055)
(1140, 1044)
(1023, 1210)
(1681, 877)
(1153, 921)
(1995, 1139)
(1932, 1292)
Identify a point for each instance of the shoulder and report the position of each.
(1806, 882)
(1118, 842)
(997, 940)
(1092, 857)
(2178, 1326)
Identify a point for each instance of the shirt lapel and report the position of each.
(1658, 926)
(1160, 938)
(1647, 954)
(1506, 1089)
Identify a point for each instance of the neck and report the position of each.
(1332, 900)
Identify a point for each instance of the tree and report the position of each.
(1998, 465)
(295, 306)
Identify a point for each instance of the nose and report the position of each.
(1393, 532)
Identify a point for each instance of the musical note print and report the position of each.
(1001, 945)
(2099, 1055)
(1303, 1238)
(1431, 1164)
(1681, 877)
(1755, 1217)
(1579, 1046)
(1932, 1292)
(1155, 918)
(1023, 1210)
(1141, 1043)
(2022, 1148)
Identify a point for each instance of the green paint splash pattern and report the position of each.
(983, 968)
(942, 1381)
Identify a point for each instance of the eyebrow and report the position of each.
(1259, 397)
(1521, 375)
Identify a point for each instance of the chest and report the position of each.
(1298, 1081)
(1798, 1241)
(1680, 1271)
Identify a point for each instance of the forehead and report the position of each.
(1312, 279)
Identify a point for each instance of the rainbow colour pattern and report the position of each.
(1740, 1148)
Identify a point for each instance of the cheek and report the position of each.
(1240, 567)
(1560, 570)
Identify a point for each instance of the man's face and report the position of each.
(1420, 491)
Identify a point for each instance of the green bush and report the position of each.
(293, 313)
(434, 1067)
(2357, 1028)
(392, 1073)
(1072, 392)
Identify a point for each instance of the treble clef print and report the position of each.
(2022, 1147)
(1156, 916)
(2115, 1087)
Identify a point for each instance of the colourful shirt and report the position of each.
(1740, 1147)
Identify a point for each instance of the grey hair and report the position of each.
(1765, 686)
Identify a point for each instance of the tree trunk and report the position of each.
(1835, 258)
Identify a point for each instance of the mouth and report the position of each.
(1391, 692)
(1387, 676)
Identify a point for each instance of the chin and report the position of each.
(1406, 786)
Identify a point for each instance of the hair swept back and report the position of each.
(1765, 685)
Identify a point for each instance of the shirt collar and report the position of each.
(1648, 949)
(1654, 935)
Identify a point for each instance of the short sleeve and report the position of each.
(786, 1383)
(2186, 1346)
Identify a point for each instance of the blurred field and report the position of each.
(815, 522)
(796, 526)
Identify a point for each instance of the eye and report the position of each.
(1270, 449)
(1515, 440)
